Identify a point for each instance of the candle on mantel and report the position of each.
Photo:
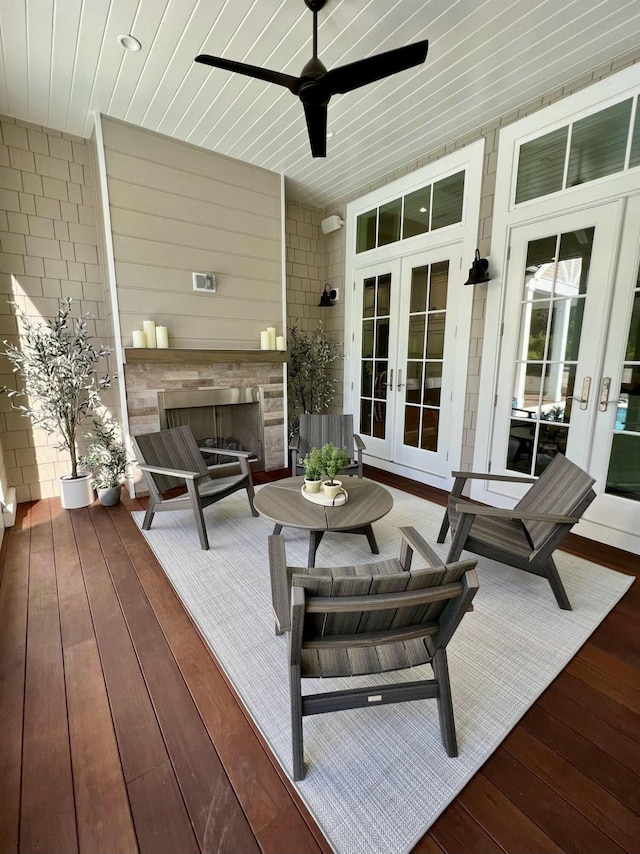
(139, 338)
(149, 327)
(162, 337)
(272, 337)
(264, 340)
(280, 345)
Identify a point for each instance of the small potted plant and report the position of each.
(334, 460)
(57, 363)
(108, 460)
(313, 468)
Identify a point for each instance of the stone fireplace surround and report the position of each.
(148, 373)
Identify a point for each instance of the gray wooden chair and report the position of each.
(357, 620)
(318, 430)
(171, 458)
(527, 535)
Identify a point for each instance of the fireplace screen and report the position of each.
(219, 418)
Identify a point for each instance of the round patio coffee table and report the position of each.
(284, 504)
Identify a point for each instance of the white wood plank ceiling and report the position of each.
(61, 61)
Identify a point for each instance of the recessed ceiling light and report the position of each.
(423, 210)
(129, 43)
(330, 134)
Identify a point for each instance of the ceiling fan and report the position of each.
(316, 85)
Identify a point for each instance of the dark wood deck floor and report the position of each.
(118, 732)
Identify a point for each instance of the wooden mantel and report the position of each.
(184, 355)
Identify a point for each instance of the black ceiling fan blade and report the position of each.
(346, 78)
(316, 116)
(286, 80)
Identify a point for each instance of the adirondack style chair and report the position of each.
(318, 430)
(526, 536)
(171, 458)
(346, 623)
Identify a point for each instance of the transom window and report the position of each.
(431, 207)
(597, 145)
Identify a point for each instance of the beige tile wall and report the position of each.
(48, 249)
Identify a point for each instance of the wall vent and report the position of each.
(204, 282)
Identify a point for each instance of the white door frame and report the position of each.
(470, 158)
(507, 215)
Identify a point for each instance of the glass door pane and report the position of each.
(376, 302)
(623, 475)
(554, 291)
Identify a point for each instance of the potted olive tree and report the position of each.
(107, 459)
(311, 380)
(57, 363)
(334, 460)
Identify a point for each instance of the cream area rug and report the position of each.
(378, 777)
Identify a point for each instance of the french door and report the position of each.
(405, 335)
(569, 376)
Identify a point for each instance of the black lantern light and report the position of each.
(478, 273)
(328, 294)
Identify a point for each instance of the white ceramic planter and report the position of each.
(312, 485)
(76, 492)
(332, 489)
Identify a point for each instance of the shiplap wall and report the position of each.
(177, 209)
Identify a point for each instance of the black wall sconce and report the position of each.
(328, 294)
(478, 273)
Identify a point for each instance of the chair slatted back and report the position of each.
(318, 430)
(362, 635)
(563, 488)
(173, 448)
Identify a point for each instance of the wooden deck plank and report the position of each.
(160, 832)
(210, 799)
(14, 592)
(457, 832)
(502, 820)
(554, 816)
(260, 788)
(596, 804)
(102, 805)
(142, 749)
(581, 676)
(603, 768)
(47, 813)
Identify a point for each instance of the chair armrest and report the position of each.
(360, 445)
(477, 475)
(294, 443)
(187, 475)
(417, 543)
(225, 452)
(471, 509)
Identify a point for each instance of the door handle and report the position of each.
(605, 388)
(586, 387)
(399, 384)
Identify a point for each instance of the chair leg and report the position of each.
(198, 515)
(443, 528)
(551, 573)
(251, 495)
(297, 742)
(445, 704)
(148, 516)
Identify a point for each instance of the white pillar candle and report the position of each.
(280, 345)
(162, 337)
(264, 340)
(139, 339)
(272, 337)
(149, 327)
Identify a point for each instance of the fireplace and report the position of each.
(219, 418)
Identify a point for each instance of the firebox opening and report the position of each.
(219, 419)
